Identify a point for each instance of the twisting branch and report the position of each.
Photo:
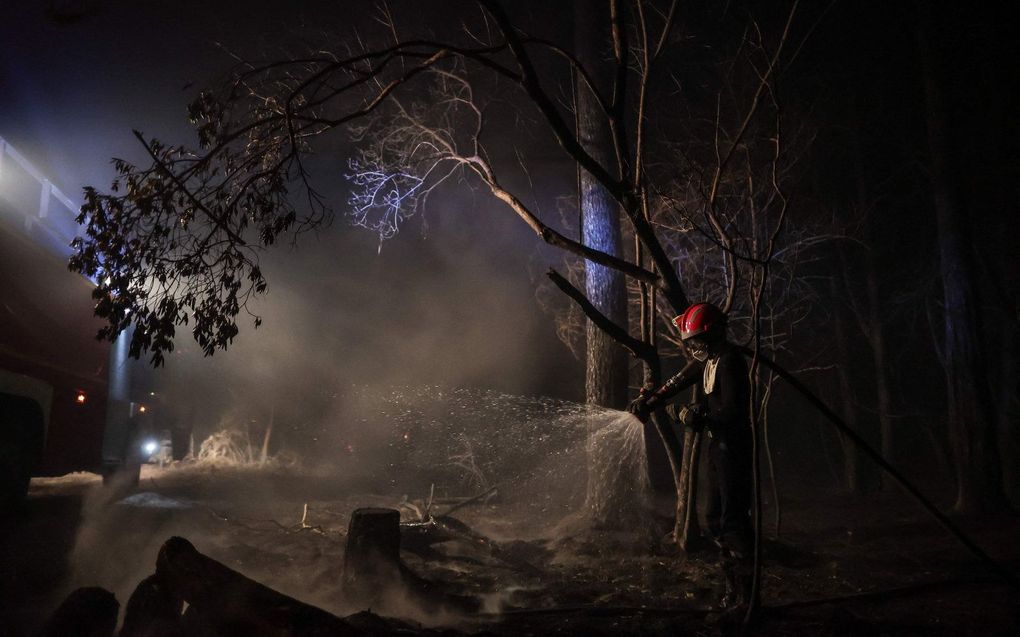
(554, 238)
(617, 188)
(176, 243)
(640, 349)
(618, 108)
(763, 85)
(420, 140)
(532, 86)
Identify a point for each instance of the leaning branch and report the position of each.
(529, 81)
(168, 171)
(763, 84)
(617, 188)
(554, 238)
(1006, 574)
(640, 349)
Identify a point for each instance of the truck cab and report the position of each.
(64, 395)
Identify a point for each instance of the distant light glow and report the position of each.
(150, 447)
(80, 398)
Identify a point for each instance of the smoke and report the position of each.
(555, 469)
(385, 371)
(448, 301)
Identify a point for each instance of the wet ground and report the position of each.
(841, 565)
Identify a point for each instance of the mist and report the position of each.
(450, 301)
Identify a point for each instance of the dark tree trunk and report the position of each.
(851, 456)
(972, 426)
(876, 336)
(873, 320)
(687, 531)
(606, 362)
(1009, 410)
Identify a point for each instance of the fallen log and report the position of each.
(88, 612)
(453, 527)
(232, 604)
(152, 611)
(193, 624)
(1007, 574)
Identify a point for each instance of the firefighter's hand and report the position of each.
(688, 415)
(639, 406)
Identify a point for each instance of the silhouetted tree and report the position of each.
(605, 361)
(972, 419)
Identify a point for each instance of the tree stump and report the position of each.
(152, 611)
(373, 569)
(88, 612)
(372, 555)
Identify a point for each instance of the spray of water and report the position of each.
(618, 483)
(548, 459)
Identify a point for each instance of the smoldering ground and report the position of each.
(448, 303)
(530, 458)
(384, 373)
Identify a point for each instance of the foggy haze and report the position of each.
(450, 301)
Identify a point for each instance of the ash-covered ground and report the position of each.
(563, 498)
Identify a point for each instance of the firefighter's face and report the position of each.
(698, 348)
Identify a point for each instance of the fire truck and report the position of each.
(65, 397)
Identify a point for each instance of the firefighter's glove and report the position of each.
(639, 406)
(692, 415)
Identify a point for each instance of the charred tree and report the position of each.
(851, 456)
(605, 360)
(879, 360)
(686, 530)
(372, 554)
(972, 422)
(872, 321)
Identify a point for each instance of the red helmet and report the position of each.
(698, 319)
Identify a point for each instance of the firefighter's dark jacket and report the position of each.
(726, 408)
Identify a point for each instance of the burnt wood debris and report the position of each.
(193, 594)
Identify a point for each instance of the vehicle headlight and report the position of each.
(150, 447)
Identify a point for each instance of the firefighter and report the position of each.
(720, 378)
